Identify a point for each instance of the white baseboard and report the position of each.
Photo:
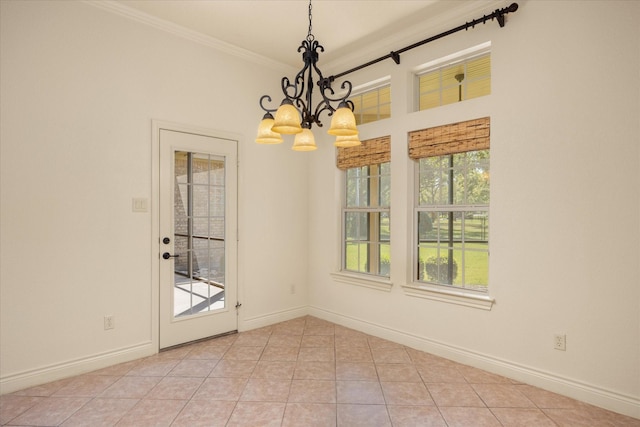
(33, 377)
(272, 318)
(607, 399)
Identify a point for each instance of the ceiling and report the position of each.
(275, 28)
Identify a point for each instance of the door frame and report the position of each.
(156, 127)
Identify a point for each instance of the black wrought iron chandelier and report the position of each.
(297, 113)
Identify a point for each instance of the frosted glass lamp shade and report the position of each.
(265, 134)
(343, 122)
(347, 141)
(287, 119)
(304, 141)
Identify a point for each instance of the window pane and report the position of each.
(201, 226)
(434, 181)
(426, 230)
(385, 111)
(478, 177)
(370, 100)
(372, 105)
(425, 253)
(476, 269)
(385, 185)
(478, 68)
(357, 187)
(384, 266)
(450, 95)
(385, 168)
(384, 232)
(385, 95)
(180, 171)
(216, 229)
(430, 82)
(453, 243)
(478, 88)
(356, 226)
(200, 168)
(453, 267)
(369, 115)
(216, 173)
(356, 257)
(216, 201)
(443, 228)
(366, 220)
(459, 185)
(449, 76)
(357, 103)
(435, 266)
(429, 100)
(200, 200)
(441, 87)
(476, 226)
(216, 262)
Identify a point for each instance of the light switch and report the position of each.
(140, 204)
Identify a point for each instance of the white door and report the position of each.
(198, 214)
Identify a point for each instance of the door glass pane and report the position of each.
(199, 222)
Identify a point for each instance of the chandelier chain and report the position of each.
(310, 36)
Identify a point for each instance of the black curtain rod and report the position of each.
(395, 55)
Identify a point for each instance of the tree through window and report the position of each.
(365, 214)
(452, 204)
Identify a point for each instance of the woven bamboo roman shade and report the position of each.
(370, 152)
(450, 139)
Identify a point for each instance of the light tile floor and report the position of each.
(304, 372)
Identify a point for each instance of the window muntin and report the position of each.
(366, 242)
(452, 220)
(372, 105)
(454, 82)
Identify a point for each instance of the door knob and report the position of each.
(167, 255)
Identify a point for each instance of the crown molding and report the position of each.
(186, 33)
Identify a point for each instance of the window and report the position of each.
(452, 205)
(365, 212)
(372, 105)
(456, 81)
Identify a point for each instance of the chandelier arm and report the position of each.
(322, 106)
(287, 86)
(267, 110)
(301, 84)
(329, 98)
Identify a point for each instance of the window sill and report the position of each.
(452, 296)
(379, 283)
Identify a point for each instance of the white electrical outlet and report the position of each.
(560, 342)
(109, 322)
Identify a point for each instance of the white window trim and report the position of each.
(452, 296)
(368, 281)
(366, 87)
(460, 56)
(440, 293)
(341, 276)
(372, 85)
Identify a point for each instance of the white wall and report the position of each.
(80, 87)
(565, 207)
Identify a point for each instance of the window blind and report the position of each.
(453, 138)
(370, 152)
